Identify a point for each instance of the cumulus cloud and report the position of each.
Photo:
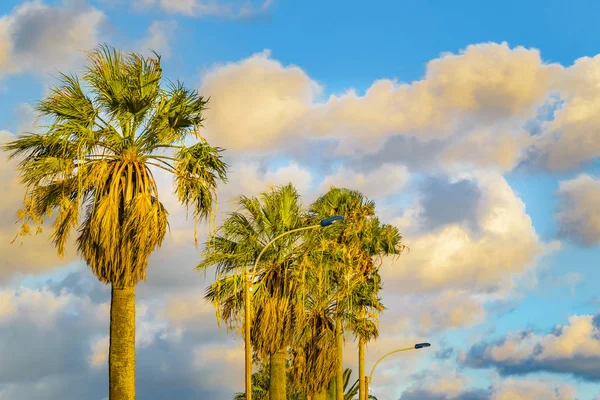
(202, 8)
(441, 386)
(450, 386)
(159, 37)
(386, 180)
(572, 137)
(578, 217)
(487, 82)
(38, 37)
(54, 344)
(455, 256)
(571, 349)
(485, 106)
(512, 389)
(480, 98)
(255, 102)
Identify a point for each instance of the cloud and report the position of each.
(512, 389)
(445, 202)
(480, 98)
(255, 102)
(441, 386)
(450, 386)
(37, 331)
(54, 344)
(490, 106)
(572, 137)
(159, 37)
(37, 37)
(99, 357)
(485, 83)
(202, 8)
(578, 216)
(570, 349)
(386, 180)
(455, 256)
(30, 254)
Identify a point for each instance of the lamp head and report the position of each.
(331, 220)
(421, 345)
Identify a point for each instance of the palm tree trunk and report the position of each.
(121, 352)
(339, 375)
(277, 389)
(361, 369)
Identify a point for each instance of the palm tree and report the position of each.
(349, 392)
(355, 279)
(261, 383)
(277, 286)
(379, 241)
(345, 245)
(260, 387)
(314, 349)
(93, 165)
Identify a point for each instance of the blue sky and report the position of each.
(427, 107)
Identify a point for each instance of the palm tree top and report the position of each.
(104, 135)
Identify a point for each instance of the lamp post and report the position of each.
(248, 298)
(370, 377)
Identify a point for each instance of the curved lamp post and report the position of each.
(248, 297)
(370, 377)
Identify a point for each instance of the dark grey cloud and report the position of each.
(445, 352)
(577, 214)
(446, 202)
(48, 37)
(323, 155)
(46, 347)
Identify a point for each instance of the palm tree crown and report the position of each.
(93, 162)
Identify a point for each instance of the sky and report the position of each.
(473, 125)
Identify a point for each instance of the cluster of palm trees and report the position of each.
(310, 286)
(90, 170)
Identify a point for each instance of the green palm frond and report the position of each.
(236, 246)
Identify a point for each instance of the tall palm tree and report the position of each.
(378, 241)
(92, 166)
(277, 286)
(360, 245)
(346, 245)
(314, 349)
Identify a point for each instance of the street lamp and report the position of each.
(248, 297)
(370, 377)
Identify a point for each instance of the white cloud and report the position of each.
(387, 179)
(578, 216)
(572, 137)
(473, 106)
(480, 98)
(255, 102)
(457, 256)
(159, 37)
(38, 37)
(99, 348)
(202, 8)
